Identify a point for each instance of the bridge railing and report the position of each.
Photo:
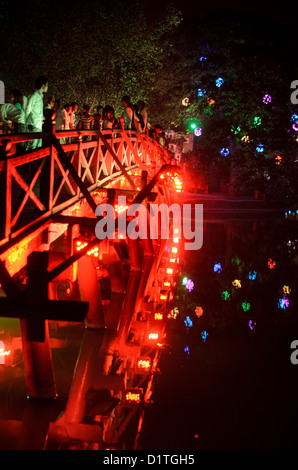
(70, 164)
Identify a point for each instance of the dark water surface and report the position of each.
(236, 386)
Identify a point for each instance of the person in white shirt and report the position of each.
(61, 116)
(16, 98)
(62, 120)
(9, 112)
(73, 116)
(34, 111)
(68, 110)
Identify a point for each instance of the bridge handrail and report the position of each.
(66, 172)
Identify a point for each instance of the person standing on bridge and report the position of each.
(61, 119)
(49, 114)
(34, 111)
(129, 116)
(108, 120)
(143, 112)
(98, 118)
(86, 122)
(16, 98)
(73, 115)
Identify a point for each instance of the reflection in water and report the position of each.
(245, 276)
(227, 378)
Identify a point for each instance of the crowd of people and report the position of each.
(38, 113)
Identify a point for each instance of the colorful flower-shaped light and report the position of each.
(278, 160)
(257, 121)
(271, 263)
(267, 99)
(217, 268)
(189, 285)
(245, 306)
(235, 129)
(204, 335)
(199, 311)
(185, 101)
(219, 82)
(188, 322)
(286, 289)
(201, 92)
(198, 132)
(283, 303)
(225, 295)
(251, 324)
(260, 148)
(225, 151)
(237, 283)
(252, 275)
(294, 118)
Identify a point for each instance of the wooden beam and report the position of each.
(74, 174)
(107, 145)
(75, 220)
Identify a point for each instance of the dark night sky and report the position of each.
(280, 12)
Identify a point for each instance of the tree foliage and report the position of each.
(92, 52)
(252, 58)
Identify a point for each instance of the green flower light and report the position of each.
(245, 306)
(225, 295)
(235, 130)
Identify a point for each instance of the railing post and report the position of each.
(128, 306)
(121, 120)
(5, 197)
(90, 291)
(45, 182)
(3, 208)
(39, 373)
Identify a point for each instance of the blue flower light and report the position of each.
(188, 322)
(201, 92)
(217, 268)
(294, 118)
(204, 335)
(225, 151)
(252, 275)
(283, 303)
(219, 82)
(260, 148)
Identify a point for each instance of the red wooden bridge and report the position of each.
(65, 293)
